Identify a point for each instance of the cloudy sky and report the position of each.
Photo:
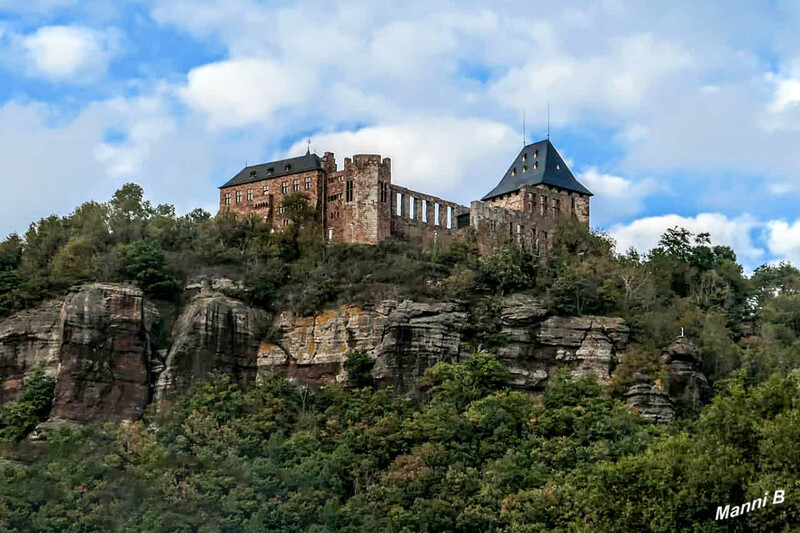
(681, 113)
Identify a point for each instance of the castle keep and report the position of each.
(360, 204)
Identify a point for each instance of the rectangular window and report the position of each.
(412, 207)
(384, 191)
(308, 184)
(544, 205)
(437, 211)
(349, 191)
(399, 210)
(572, 206)
(266, 190)
(227, 198)
(424, 211)
(449, 217)
(284, 187)
(296, 185)
(557, 208)
(238, 197)
(249, 194)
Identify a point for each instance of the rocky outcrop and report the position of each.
(684, 381)
(29, 341)
(214, 333)
(95, 343)
(105, 352)
(653, 404)
(404, 338)
(537, 346)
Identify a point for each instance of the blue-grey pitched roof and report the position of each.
(538, 163)
(275, 169)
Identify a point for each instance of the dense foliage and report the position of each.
(473, 455)
(476, 457)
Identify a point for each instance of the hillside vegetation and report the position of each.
(474, 456)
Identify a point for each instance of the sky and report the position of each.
(673, 114)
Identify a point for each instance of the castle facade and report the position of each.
(360, 204)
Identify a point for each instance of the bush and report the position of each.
(20, 417)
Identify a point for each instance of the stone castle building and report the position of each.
(360, 204)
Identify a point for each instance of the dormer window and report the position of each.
(558, 167)
(524, 168)
(513, 171)
(252, 173)
(287, 168)
(270, 170)
(535, 165)
(524, 157)
(535, 154)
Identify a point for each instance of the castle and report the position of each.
(360, 204)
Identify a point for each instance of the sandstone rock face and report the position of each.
(537, 346)
(213, 334)
(405, 339)
(685, 381)
(29, 341)
(105, 353)
(96, 345)
(653, 404)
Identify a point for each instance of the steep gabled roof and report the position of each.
(275, 169)
(538, 163)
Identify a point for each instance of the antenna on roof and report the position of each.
(308, 150)
(524, 140)
(548, 120)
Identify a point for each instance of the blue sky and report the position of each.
(686, 113)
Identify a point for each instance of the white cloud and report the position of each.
(239, 92)
(433, 155)
(615, 80)
(615, 197)
(643, 234)
(67, 53)
(783, 240)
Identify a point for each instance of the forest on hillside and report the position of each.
(474, 455)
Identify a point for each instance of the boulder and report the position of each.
(685, 381)
(214, 333)
(653, 404)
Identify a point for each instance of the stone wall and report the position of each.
(357, 203)
(422, 216)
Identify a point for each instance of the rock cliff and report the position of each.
(214, 333)
(96, 343)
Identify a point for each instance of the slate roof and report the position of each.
(547, 167)
(275, 169)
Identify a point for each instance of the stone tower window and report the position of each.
(227, 200)
(349, 191)
(384, 191)
(249, 194)
(238, 197)
(284, 187)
